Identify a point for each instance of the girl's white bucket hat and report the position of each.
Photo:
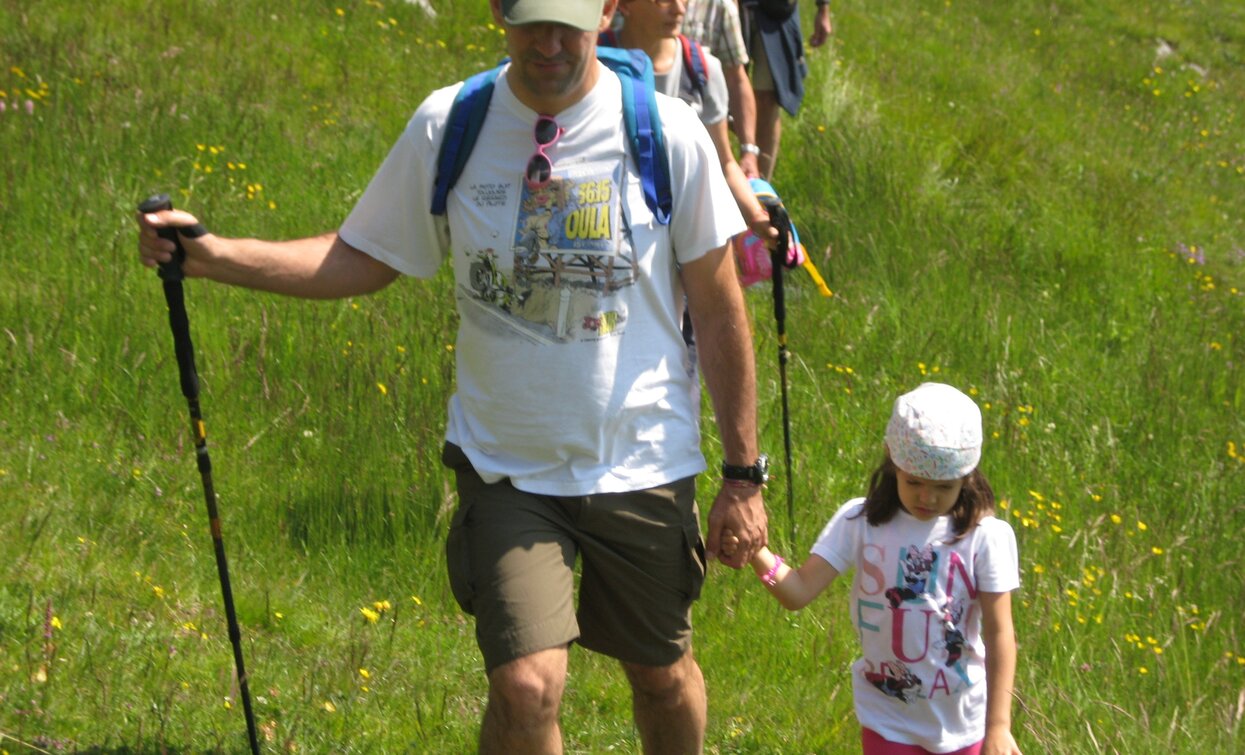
(935, 432)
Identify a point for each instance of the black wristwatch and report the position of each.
(756, 474)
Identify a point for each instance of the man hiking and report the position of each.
(573, 434)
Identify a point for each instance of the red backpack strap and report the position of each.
(694, 62)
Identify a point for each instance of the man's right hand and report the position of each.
(153, 250)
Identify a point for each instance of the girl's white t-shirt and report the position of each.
(572, 374)
(920, 679)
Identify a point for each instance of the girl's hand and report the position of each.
(999, 741)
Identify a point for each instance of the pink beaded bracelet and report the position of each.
(771, 577)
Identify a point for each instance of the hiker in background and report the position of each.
(772, 28)
(716, 25)
(684, 69)
(931, 595)
(574, 431)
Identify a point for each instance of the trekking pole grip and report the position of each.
(171, 270)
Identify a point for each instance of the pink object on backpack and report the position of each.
(753, 257)
(754, 260)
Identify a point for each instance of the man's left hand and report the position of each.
(739, 510)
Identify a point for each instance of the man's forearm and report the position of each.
(724, 346)
(318, 267)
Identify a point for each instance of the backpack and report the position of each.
(756, 261)
(694, 63)
(640, 119)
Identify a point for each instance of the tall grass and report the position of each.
(1039, 203)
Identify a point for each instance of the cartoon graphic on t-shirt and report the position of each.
(895, 680)
(571, 261)
(918, 565)
(489, 284)
(953, 636)
(925, 609)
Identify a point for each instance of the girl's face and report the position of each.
(927, 499)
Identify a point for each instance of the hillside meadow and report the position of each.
(1042, 203)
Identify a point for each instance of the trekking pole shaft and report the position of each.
(778, 260)
(786, 439)
(183, 348)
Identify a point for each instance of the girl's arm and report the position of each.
(794, 588)
(1000, 640)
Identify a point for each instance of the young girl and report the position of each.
(931, 594)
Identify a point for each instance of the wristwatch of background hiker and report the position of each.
(755, 474)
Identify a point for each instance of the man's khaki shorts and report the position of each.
(511, 559)
(762, 77)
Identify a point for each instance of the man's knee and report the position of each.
(664, 682)
(529, 689)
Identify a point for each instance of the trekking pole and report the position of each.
(172, 275)
(778, 260)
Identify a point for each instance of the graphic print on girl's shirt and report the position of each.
(927, 605)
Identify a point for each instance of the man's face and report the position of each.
(550, 61)
(552, 65)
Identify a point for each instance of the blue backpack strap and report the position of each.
(694, 62)
(643, 125)
(461, 130)
(640, 116)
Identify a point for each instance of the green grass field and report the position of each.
(1042, 203)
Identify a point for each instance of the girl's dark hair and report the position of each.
(882, 502)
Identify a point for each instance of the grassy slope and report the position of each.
(1009, 205)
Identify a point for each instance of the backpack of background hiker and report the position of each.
(694, 63)
(641, 121)
(753, 258)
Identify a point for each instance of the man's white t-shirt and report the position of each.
(921, 676)
(572, 374)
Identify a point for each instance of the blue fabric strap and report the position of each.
(640, 116)
(461, 130)
(694, 62)
(643, 125)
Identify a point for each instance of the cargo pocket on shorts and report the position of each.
(458, 558)
(458, 542)
(697, 563)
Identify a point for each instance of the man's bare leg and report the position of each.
(524, 698)
(670, 706)
(769, 131)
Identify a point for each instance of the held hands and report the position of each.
(738, 525)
